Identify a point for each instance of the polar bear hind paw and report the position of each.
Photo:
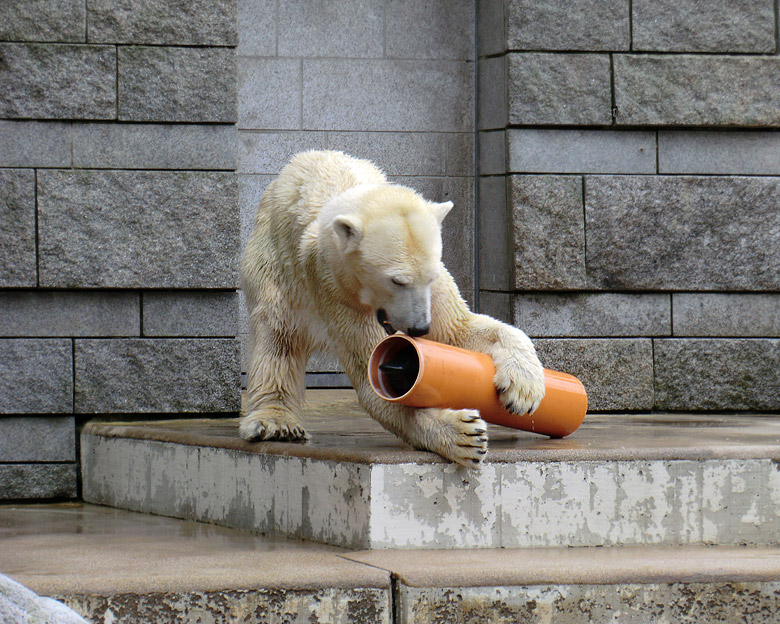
(271, 423)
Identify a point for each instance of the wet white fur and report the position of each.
(333, 242)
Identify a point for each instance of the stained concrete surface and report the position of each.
(117, 566)
(120, 567)
(72, 547)
(576, 566)
(657, 603)
(342, 431)
(620, 479)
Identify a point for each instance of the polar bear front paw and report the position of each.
(519, 381)
(271, 422)
(464, 437)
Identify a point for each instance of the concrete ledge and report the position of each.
(113, 566)
(576, 566)
(123, 567)
(584, 604)
(621, 479)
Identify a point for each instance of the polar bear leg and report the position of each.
(519, 377)
(519, 374)
(457, 435)
(275, 384)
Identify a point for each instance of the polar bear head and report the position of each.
(386, 241)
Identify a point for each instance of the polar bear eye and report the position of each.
(399, 282)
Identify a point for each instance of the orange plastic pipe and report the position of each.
(451, 377)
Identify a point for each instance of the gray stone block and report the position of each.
(717, 374)
(568, 25)
(548, 232)
(683, 233)
(458, 228)
(66, 314)
(397, 153)
(37, 439)
(703, 25)
(257, 21)
(243, 316)
(496, 304)
(269, 152)
(35, 144)
(496, 265)
(460, 154)
(138, 229)
(338, 28)
(53, 81)
(491, 37)
(190, 314)
(721, 314)
(429, 30)
(327, 380)
(726, 152)
(559, 89)
(604, 314)
(244, 344)
(250, 191)
(36, 376)
(492, 153)
(492, 93)
(346, 94)
(160, 22)
(617, 373)
(177, 84)
(154, 146)
(36, 481)
(17, 228)
(581, 151)
(243, 336)
(324, 362)
(157, 375)
(42, 20)
(697, 90)
(269, 94)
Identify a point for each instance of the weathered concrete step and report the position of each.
(121, 567)
(620, 479)
(630, 585)
(118, 567)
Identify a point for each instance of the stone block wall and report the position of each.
(119, 222)
(387, 80)
(629, 194)
(627, 211)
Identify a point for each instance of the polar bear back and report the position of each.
(287, 215)
(312, 179)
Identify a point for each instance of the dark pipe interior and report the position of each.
(401, 371)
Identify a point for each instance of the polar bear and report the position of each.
(339, 256)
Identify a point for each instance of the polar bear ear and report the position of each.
(349, 231)
(440, 210)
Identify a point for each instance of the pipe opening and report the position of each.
(396, 370)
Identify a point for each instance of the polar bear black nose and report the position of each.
(414, 332)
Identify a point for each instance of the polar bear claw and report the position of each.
(271, 424)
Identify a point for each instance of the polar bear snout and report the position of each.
(416, 332)
(408, 310)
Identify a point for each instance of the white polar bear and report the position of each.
(337, 257)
